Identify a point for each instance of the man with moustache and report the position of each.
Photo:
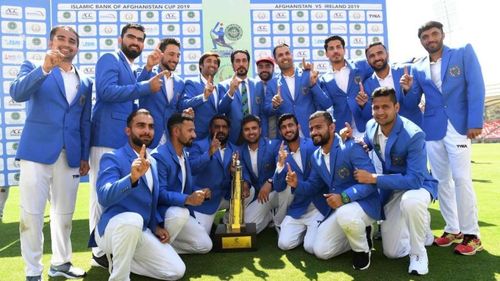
(239, 97)
(303, 213)
(386, 75)
(201, 94)
(53, 151)
(454, 94)
(353, 206)
(177, 192)
(167, 101)
(292, 93)
(117, 88)
(265, 70)
(341, 84)
(211, 162)
(128, 189)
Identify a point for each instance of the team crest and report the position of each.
(258, 100)
(397, 160)
(343, 172)
(455, 71)
(305, 90)
(82, 100)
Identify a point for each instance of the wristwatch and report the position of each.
(345, 198)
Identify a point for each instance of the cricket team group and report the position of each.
(327, 159)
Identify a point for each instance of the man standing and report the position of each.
(116, 90)
(265, 70)
(406, 187)
(187, 236)
(292, 94)
(454, 95)
(166, 102)
(201, 95)
(341, 84)
(239, 97)
(128, 190)
(353, 206)
(53, 151)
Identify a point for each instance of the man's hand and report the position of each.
(209, 88)
(333, 200)
(265, 189)
(277, 100)
(406, 80)
(139, 166)
(154, 58)
(291, 177)
(234, 161)
(84, 168)
(207, 192)
(363, 176)
(246, 190)
(474, 133)
(313, 78)
(196, 198)
(156, 82)
(235, 83)
(162, 234)
(346, 132)
(362, 97)
(214, 145)
(52, 59)
(282, 154)
(189, 111)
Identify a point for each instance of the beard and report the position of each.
(241, 71)
(293, 138)
(384, 65)
(139, 142)
(166, 66)
(187, 143)
(265, 76)
(131, 54)
(222, 138)
(324, 139)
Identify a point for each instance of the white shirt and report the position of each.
(221, 151)
(71, 83)
(436, 74)
(169, 86)
(148, 174)
(385, 82)
(382, 141)
(326, 157)
(132, 65)
(342, 77)
(182, 162)
(253, 159)
(290, 82)
(214, 92)
(297, 158)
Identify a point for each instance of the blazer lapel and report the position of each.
(56, 73)
(445, 60)
(391, 140)
(127, 65)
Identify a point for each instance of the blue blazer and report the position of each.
(170, 175)
(203, 111)
(344, 159)
(266, 163)
(117, 195)
(212, 172)
(51, 123)
(116, 89)
(304, 102)
(158, 104)
(232, 106)
(408, 104)
(344, 103)
(462, 97)
(405, 165)
(300, 203)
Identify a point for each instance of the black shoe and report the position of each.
(361, 260)
(101, 261)
(369, 236)
(66, 270)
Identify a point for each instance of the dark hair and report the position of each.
(373, 44)
(168, 41)
(240, 51)
(287, 116)
(132, 26)
(332, 38)
(325, 114)
(135, 113)
(65, 27)
(279, 46)
(219, 117)
(248, 119)
(385, 92)
(428, 25)
(206, 55)
(176, 119)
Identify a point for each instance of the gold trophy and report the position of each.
(236, 235)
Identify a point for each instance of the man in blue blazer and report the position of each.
(406, 187)
(303, 213)
(291, 92)
(454, 104)
(53, 150)
(211, 161)
(116, 90)
(341, 84)
(386, 75)
(238, 96)
(353, 206)
(258, 157)
(176, 188)
(130, 228)
(166, 101)
(265, 71)
(201, 94)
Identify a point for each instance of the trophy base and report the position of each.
(226, 241)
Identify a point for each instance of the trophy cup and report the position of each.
(236, 235)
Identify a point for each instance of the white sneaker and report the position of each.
(419, 264)
(429, 238)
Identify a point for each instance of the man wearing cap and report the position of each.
(265, 70)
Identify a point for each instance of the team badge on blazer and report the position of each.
(305, 90)
(258, 100)
(343, 172)
(82, 99)
(455, 71)
(357, 79)
(398, 160)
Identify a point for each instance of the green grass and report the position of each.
(270, 263)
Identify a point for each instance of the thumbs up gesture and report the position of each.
(291, 177)
(406, 80)
(362, 97)
(277, 99)
(139, 166)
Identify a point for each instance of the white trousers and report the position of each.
(95, 209)
(57, 183)
(406, 224)
(343, 230)
(4, 194)
(260, 213)
(302, 230)
(138, 251)
(187, 235)
(207, 220)
(285, 198)
(450, 165)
